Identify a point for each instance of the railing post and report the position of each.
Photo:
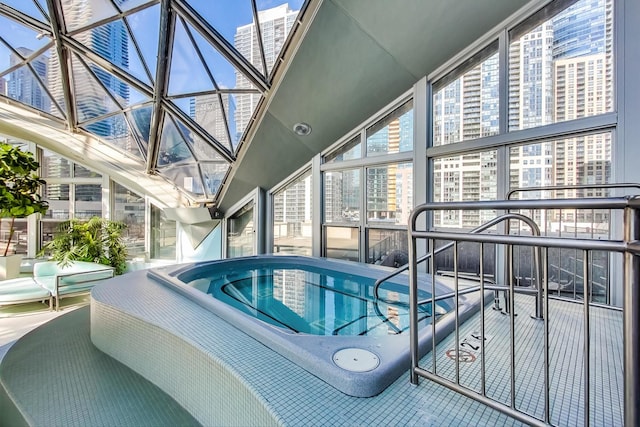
(413, 299)
(631, 307)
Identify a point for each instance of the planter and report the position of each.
(10, 266)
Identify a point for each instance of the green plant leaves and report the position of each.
(19, 186)
(96, 240)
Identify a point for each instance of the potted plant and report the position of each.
(19, 198)
(96, 240)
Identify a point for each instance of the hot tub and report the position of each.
(319, 313)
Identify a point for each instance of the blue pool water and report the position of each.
(307, 299)
(320, 313)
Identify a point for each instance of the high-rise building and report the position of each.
(559, 70)
(110, 41)
(23, 85)
(207, 111)
(275, 24)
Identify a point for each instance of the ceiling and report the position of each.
(342, 62)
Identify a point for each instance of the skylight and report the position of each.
(173, 85)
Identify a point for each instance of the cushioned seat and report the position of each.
(24, 289)
(73, 279)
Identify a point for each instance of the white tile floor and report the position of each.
(18, 319)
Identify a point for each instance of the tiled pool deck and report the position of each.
(289, 394)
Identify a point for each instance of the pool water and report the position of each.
(304, 299)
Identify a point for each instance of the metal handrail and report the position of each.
(535, 230)
(577, 187)
(629, 246)
(571, 187)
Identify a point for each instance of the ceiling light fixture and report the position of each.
(302, 129)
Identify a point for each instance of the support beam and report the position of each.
(64, 56)
(254, 7)
(165, 43)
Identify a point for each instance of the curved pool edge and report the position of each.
(202, 381)
(315, 353)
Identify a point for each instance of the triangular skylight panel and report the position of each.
(218, 14)
(112, 42)
(207, 111)
(140, 119)
(23, 86)
(173, 148)
(224, 73)
(30, 8)
(145, 26)
(115, 130)
(123, 92)
(21, 38)
(80, 14)
(187, 73)
(213, 173)
(203, 149)
(186, 177)
(212, 114)
(92, 100)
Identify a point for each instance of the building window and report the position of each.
(292, 215)
(129, 209)
(241, 239)
(561, 68)
(163, 235)
(466, 102)
(368, 200)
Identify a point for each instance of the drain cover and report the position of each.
(356, 359)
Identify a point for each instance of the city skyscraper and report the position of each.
(23, 85)
(559, 70)
(275, 24)
(110, 41)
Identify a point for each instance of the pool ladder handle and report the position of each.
(537, 290)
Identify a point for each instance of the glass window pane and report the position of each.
(390, 193)
(55, 166)
(387, 247)
(240, 233)
(88, 201)
(392, 134)
(18, 244)
(348, 151)
(342, 243)
(163, 235)
(129, 208)
(561, 68)
(466, 106)
(464, 178)
(58, 197)
(292, 214)
(48, 230)
(342, 196)
(581, 160)
(82, 172)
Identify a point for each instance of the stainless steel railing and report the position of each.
(535, 230)
(629, 246)
(566, 268)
